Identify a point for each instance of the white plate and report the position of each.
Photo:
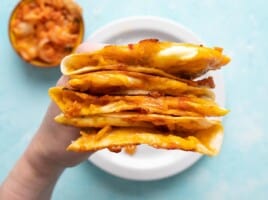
(147, 163)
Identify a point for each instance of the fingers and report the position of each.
(62, 81)
(89, 46)
(84, 47)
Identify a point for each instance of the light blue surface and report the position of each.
(239, 172)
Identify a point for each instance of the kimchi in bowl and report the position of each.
(42, 32)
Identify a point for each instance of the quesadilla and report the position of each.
(74, 103)
(148, 93)
(206, 141)
(179, 59)
(183, 124)
(115, 82)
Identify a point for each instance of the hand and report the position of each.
(52, 138)
(35, 174)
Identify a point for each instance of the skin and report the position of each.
(35, 174)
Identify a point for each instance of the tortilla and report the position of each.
(115, 82)
(74, 103)
(205, 82)
(205, 141)
(179, 59)
(189, 124)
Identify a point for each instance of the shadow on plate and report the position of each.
(129, 188)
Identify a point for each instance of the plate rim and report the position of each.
(145, 21)
(157, 23)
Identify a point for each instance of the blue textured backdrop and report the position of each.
(239, 172)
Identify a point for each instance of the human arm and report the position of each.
(37, 171)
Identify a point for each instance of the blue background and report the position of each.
(239, 172)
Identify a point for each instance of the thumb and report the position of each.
(89, 46)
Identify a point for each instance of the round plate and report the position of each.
(147, 163)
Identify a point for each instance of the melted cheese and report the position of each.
(181, 52)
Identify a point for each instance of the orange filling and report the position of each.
(44, 30)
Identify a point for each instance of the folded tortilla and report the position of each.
(206, 141)
(123, 82)
(178, 59)
(205, 82)
(140, 120)
(74, 103)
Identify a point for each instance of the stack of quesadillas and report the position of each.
(149, 93)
